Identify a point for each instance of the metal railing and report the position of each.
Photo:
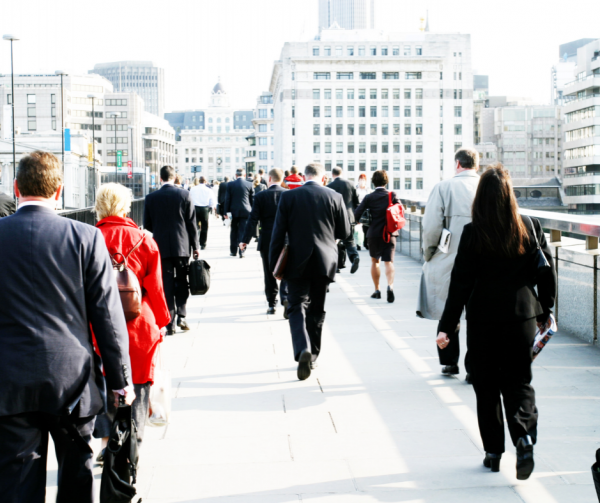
(87, 215)
(574, 241)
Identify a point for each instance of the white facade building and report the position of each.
(367, 100)
(347, 14)
(217, 145)
(263, 123)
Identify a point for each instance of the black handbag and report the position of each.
(120, 459)
(199, 275)
(541, 262)
(596, 473)
(366, 218)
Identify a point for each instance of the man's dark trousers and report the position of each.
(271, 287)
(306, 311)
(450, 355)
(176, 286)
(350, 246)
(24, 440)
(202, 213)
(236, 235)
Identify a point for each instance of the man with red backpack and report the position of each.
(294, 180)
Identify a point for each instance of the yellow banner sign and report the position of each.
(90, 152)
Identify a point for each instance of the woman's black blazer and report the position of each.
(496, 289)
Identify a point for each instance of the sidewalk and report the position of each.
(375, 422)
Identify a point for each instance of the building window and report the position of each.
(368, 75)
(419, 149)
(373, 51)
(351, 148)
(350, 94)
(384, 111)
(262, 113)
(9, 99)
(327, 131)
(384, 129)
(315, 51)
(327, 111)
(339, 111)
(407, 129)
(327, 94)
(321, 76)
(316, 94)
(385, 147)
(373, 129)
(350, 50)
(31, 99)
(413, 75)
(457, 111)
(327, 51)
(316, 129)
(339, 147)
(362, 130)
(419, 94)
(419, 50)
(419, 129)
(339, 94)
(361, 111)
(31, 125)
(362, 148)
(396, 94)
(373, 111)
(362, 94)
(373, 147)
(407, 50)
(350, 129)
(419, 184)
(339, 50)
(407, 184)
(316, 112)
(328, 148)
(384, 94)
(391, 75)
(384, 51)
(350, 165)
(396, 111)
(396, 182)
(457, 129)
(373, 94)
(407, 148)
(361, 50)
(418, 111)
(396, 129)
(385, 165)
(457, 145)
(407, 165)
(350, 111)
(345, 75)
(339, 129)
(30, 111)
(374, 165)
(419, 165)
(316, 148)
(262, 128)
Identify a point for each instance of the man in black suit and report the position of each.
(239, 197)
(7, 204)
(264, 179)
(221, 197)
(313, 217)
(264, 210)
(59, 282)
(170, 215)
(348, 192)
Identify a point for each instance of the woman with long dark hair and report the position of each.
(494, 276)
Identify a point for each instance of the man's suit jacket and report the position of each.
(264, 210)
(57, 280)
(170, 215)
(222, 192)
(377, 202)
(7, 205)
(348, 192)
(239, 198)
(313, 217)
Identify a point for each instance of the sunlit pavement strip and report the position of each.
(374, 423)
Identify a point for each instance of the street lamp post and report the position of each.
(12, 39)
(116, 175)
(62, 120)
(93, 97)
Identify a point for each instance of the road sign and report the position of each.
(129, 169)
(119, 158)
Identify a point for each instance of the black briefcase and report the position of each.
(120, 459)
(596, 473)
(199, 276)
(341, 255)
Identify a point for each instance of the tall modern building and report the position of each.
(481, 91)
(260, 153)
(562, 71)
(140, 77)
(347, 14)
(367, 100)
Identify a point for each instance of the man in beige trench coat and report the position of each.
(448, 207)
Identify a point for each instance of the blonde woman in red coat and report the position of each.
(113, 203)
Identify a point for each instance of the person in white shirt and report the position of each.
(204, 200)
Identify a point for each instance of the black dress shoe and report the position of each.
(355, 265)
(202, 247)
(170, 332)
(338, 271)
(525, 462)
(450, 370)
(233, 254)
(183, 324)
(390, 295)
(492, 461)
(358, 247)
(376, 295)
(271, 310)
(468, 379)
(304, 365)
(241, 254)
(286, 304)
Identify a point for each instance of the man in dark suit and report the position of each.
(348, 192)
(264, 210)
(170, 215)
(313, 217)
(221, 197)
(239, 197)
(59, 282)
(7, 204)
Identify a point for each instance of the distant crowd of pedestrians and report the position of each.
(63, 309)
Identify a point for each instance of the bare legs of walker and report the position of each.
(390, 272)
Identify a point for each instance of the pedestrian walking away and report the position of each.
(264, 210)
(495, 276)
(139, 253)
(221, 198)
(293, 180)
(239, 197)
(312, 217)
(203, 199)
(59, 284)
(170, 215)
(380, 248)
(7, 203)
(362, 190)
(348, 192)
(448, 207)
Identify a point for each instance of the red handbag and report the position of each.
(395, 220)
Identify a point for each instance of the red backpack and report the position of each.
(395, 220)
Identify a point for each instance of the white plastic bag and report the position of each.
(160, 393)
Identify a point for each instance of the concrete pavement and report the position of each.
(375, 422)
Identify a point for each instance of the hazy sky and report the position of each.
(515, 42)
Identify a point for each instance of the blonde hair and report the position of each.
(112, 200)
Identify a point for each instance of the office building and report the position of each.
(263, 123)
(140, 77)
(581, 152)
(562, 70)
(367, 100)
(347, 14)
(212, 142)
(481, 91)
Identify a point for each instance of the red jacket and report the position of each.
(121, 235)
(294, 181)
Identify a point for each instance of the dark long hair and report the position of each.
(497, 226)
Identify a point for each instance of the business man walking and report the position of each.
(239, 197)
(203, 199)
(169, 214)
(347, 190)
(221, 198)
(57, 281)
(264, 210)
(313, 217)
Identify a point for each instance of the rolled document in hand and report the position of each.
(543, 336)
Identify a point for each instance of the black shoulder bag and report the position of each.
(541, 262)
